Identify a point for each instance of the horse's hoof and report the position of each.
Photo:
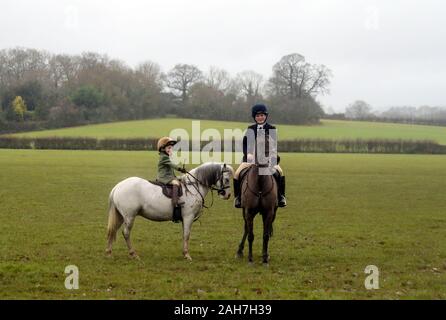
(133, 255)
(266, 264)
(188, 257)
(108, 254)
(239, 255)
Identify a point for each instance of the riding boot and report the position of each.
(280, 189)
(237, 201)
(282, 199)
(177, 217)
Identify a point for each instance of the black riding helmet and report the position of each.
(259, 108)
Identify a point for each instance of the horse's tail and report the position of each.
(114, 219)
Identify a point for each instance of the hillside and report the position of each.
(329, 129)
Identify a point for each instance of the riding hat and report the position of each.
(259, 108)
(164, 142)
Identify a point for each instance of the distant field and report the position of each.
(345, 212)
(329, 129)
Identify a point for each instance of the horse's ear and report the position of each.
(224, 166)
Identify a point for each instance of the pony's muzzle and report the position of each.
(223, 194)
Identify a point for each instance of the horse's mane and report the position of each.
(208, 172)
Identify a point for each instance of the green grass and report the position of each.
(345, 212)
(330, 129)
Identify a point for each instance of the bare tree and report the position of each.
(218, 79)
(19, 65)
(250, 85)
(182, 77)
(150, 72)
(358, 110)
(93, 60)
(56, 71)
(3, 69)
(295, 78)
(67, 67)
(318, 80)
(289, 75)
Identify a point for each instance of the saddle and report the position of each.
(242, 174)
(167, 188)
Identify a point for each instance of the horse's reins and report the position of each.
(258, 194)
(202, 198)
(219, 190)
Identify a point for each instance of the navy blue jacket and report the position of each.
(253, 127)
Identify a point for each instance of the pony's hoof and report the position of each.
(239, 255)
(133, 255)
(108, 253)
(188, 257)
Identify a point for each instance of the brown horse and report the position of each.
(258, 195)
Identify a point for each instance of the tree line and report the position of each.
(297, 145)
(41, 89)
(362, 111)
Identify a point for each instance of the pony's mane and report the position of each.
(208, 172)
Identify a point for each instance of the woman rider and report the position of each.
(260, 114)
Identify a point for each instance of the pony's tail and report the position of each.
(114, 220)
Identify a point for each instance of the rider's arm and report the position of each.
(167, 162)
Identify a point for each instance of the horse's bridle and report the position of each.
(220, 190)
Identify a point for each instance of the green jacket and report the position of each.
(166, 169)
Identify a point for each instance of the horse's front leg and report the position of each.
(245, 234)
(250, 223)
(187, 225)
(267, 230)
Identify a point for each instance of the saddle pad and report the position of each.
(167, 189)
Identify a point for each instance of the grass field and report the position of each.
(345, 212)
(329, 129)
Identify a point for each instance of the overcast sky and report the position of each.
(385, 52)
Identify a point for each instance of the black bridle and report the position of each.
(220, 191)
